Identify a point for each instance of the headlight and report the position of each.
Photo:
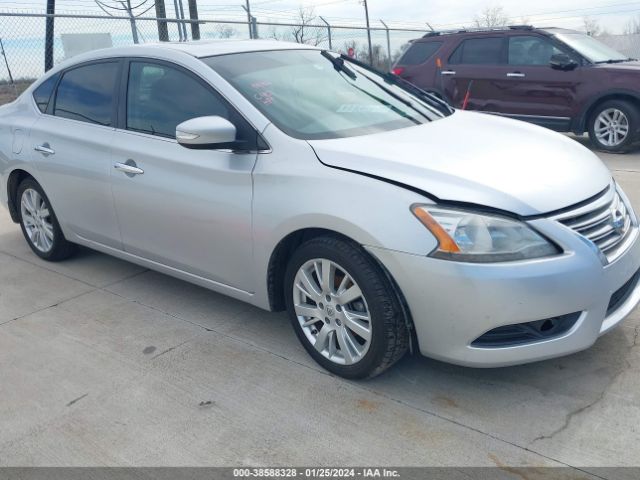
(472, 237)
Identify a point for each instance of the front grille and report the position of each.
(620, 296)
(607, 222)
(530, 332)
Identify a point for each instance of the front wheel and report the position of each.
(344, 309)
(613, 126)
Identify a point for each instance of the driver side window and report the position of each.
(160, 97)
(530, 50)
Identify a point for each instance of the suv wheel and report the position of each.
(343, 308)
(613, 125)
(39, 223)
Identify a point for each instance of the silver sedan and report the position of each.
(294, 178)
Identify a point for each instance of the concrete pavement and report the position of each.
(105, 363)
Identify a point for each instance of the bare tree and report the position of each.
(307, 29)
(633, 26)
(591, 26)
(491, 17)
(223, 31)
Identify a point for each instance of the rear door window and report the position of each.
(419, 52)
(87, 93)
(479, 51)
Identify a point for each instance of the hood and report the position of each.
(477, 158)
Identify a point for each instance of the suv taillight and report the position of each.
(398, 71)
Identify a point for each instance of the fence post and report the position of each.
(247, 8)
(161, 12)
(183, 23)
(254, 27)
(329, 32)
(193, 15)
(48, 45)
(389, 62)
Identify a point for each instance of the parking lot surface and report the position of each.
(105, 363)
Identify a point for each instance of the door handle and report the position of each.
(129, 170)
(516, 75)
(45, 149)
(447, 72)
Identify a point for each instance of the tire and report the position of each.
(39, 223)
(344, 348)
(608, 122)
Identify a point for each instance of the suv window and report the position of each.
(42, 94)
(475, 51)
(419, 52)
(86, 93)
(531, 50)
(160, 97)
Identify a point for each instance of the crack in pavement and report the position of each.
(76, 400)
(572, 414)
(170, 349)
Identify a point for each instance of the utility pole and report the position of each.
(248, 9)
(193, 15)
(48, 43)
(161, 12)
(366, 11)
(134, 30)
(6, 62)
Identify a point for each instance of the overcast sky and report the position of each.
(611, 14)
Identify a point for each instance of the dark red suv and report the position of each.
(560, 79)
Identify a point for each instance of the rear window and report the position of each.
(479, 51)
(419, 52)
(42, 94)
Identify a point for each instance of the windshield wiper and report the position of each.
(621, 60)
(338, 64)
(403, 84)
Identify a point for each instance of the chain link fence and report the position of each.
(22, 39)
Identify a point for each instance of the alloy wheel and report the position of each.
(332, 311)
(37, 220)
(611, 127)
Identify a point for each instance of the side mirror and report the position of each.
(206, 133)
(562, 61)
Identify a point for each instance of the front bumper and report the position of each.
(452, 304)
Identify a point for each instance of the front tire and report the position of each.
(344, 309)
(613, 126)
(39, 223)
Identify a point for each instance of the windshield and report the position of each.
(313, 95)
(590, 48)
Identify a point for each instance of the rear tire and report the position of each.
(39, 223)
(613, 126)
(352, 323)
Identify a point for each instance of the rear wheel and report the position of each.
(344, 309)
(613, 125)
(39, 223)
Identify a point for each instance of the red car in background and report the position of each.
(561, 79)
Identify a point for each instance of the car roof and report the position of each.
(197, 49)
(464, 32)
(209, 48)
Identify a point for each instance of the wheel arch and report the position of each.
(15, 178)
(587, 112)
(278, 264)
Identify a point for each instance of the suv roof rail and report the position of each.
(435, 33)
